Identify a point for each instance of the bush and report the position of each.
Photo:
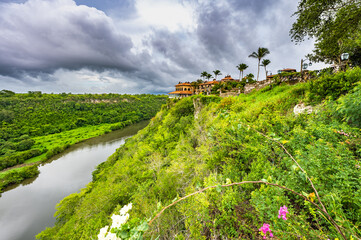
(56, 150)
(333, 86)
(18, 176)
(350, 107)
(25, 144)
(18, 158)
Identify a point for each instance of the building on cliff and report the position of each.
(188, 89)
(182, 90)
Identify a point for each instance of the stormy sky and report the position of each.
(139, 46)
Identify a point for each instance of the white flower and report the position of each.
(102, 233)
(119, 220)
(111, 236)
(125, 209)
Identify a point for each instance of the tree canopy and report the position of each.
(335, 25)
(261, 53)
(241, 67)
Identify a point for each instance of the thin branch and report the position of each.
(252, 182)
(294, 160)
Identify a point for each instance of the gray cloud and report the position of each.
(54, 45)
(44, 36)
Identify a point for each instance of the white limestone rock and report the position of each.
(301, 108)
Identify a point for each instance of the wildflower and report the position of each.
(125, 209)
(112, 236)
(312, 196)
(103, 232)
(119, 220)
(282, 212)
(264, 229)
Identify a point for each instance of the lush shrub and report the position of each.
(198, 142)
(58, 149)
(25, 144)
(350, 107)
(18, 176)
(333, 85)
(18, 158)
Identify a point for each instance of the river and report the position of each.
(27, 209)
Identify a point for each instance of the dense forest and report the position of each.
(35, 126)
(304, 169)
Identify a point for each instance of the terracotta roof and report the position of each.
(227, 78)
(181, 92)
(288, 69)
(207, 83)
(183, 84)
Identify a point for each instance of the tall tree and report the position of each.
(204, 74)
(265, 63)
(241, 67)
(216, 73)
(335, 25)
(209, 76)
(261, 53)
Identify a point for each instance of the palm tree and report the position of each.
(241, 67)
(204, 74)
(261, 53)
(208, 76)
(216, 73)
(265, 62)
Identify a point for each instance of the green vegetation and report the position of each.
(203, 141)
(36, 126)
(335, 25)
(265, 63)
(217, 73)
(241, 67)
(261, 53)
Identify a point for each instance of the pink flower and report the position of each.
(282, 212)
(264, 229)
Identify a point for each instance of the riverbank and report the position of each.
(36, 126)
(283, 161)
(51, 145)
(32, 204)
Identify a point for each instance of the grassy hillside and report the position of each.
(204, 141)
(36, 126)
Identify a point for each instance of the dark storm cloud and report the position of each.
(258, 6)
(226, 33)
(215, 30)
(177, 48)
(232, 30)
(41, 36)
(239, 26)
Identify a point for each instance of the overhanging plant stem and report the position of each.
(253, 182)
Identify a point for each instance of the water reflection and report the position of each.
(29, 208)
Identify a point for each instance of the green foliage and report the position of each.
(350, 107)
(334, 24)
(6, 93)
(261, 53)
(333, 86)
(36, 126)
(18, 158)
(17, 176)
(204, 141)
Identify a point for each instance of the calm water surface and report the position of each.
(27, 209)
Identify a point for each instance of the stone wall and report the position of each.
(291, 79)
(258, 85)
(230, 93)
